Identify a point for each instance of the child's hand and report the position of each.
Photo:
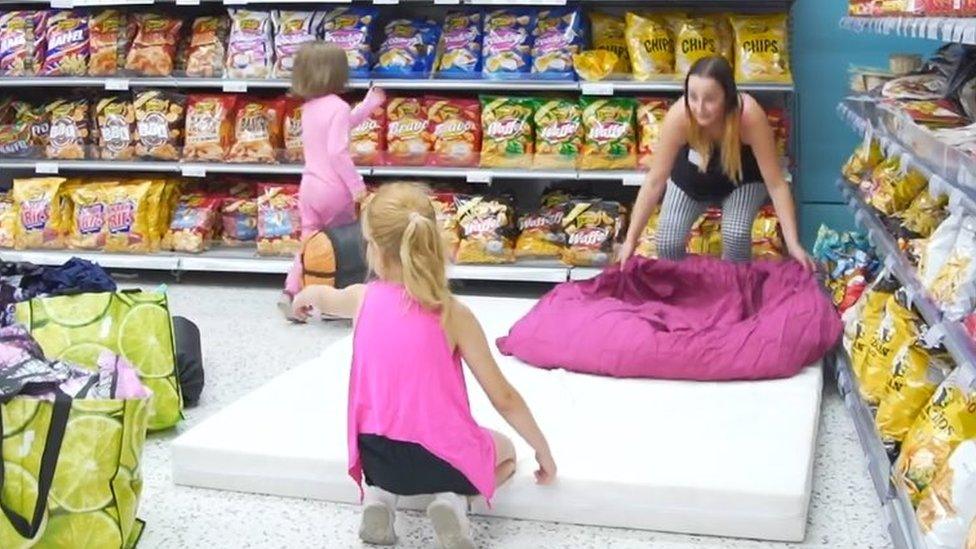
(360, 196)
(376, 94)
(547, 468)
(301, 305)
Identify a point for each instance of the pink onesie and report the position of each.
(329, 180)
(407, 385)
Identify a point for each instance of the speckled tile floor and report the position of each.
(246, 343)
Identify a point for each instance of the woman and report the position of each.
(718, 148)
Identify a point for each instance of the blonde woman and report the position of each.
(410, 429)
(716, 148)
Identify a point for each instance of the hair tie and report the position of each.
(415, 217)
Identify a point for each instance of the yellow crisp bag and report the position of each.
(761, 48)
(88, 220)
(647, 245)
(924, 214)
(594, 65)
(893, 190)
(8, 221)
(157, 189)
(767, 241)
(947, 419)
(864, 159)
(37, 205)
(695, 37)
(899, 328)
(865, 325)
(726, 35)
(650, 43)
(609, 138)
(706, 234)
(128, 217)
(916, 373)
(609, 34)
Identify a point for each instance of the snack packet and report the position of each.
(38, 222)
(250, 53)
(9, 221)
(455, 127)
(239, 217)
(15, 141)
(767, 241)
(292, 30)
(780, 125)
(610, 142)
(367, 141)
(209, 127)
(761, 48)
(206, 51)
(558, 35)
(408, 50)
(69, 129)
(508, 140)
(88, 222)
(291, 128)
(650, 121)
(594, 65)
(608, 33)
(153, 51)
(591, 226)
(159, 124)
(705, 237)
(647, 244)
(445, 208)
(129, 206)
(159, 213)
(923, 215)
(115, 118)
(954, 287)
(459, 48)
(861, 330)
(257, 130)
(650, 44)
(900, 327)
(508, 43)
(487, 227)
(893, 189)
(948, 505)
(279, 223)
(541, 233)
(17, 44)
(695, 37)
(352, 30)
(948, 419)
(938, 248)
(66, 49)
(408, 140)
(192, 227)
(916, 373)
(558, 134)
(38, 120)
(109, 42)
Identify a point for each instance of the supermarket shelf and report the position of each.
(501, 86)
(902, 524)
(947, 29)
(584, 273)
(121, 83)
(766, 4)
(529, 271)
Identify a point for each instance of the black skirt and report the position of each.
(408, 469)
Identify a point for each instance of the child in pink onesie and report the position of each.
(410, 427)
(331, 186)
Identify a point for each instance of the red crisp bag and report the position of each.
(294, 152)
(407, 139)
(455, 127)
(781, 130)
(257, 130)
(367, 141)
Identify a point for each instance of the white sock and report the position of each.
(375, 494)
(458, 502)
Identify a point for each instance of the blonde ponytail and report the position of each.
(400, 221)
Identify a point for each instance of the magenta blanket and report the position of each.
(696, 319)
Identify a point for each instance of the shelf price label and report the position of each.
(478, 176)
(235, 86)
(446, 2)
(235, 2)
(385, 2)
(187, 2)
(596, 88)
(193, 170)
(633, 179)
(116, 84)
(46, 168)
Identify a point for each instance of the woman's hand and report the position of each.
(625, 252)
(547, 468)
(798, 253)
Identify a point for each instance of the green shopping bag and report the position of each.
(70, 472)
(133, 324)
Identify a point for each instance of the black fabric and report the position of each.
(75, 276)
(408, 469)
(347, 241)
(189, 360)
(712, 185)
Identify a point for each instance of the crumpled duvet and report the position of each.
(696, 319)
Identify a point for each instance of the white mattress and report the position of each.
(729, 459)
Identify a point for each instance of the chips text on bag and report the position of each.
(209, 127)
(109, 40)
(541, 233)
(761, 48)
(508, 139)
(610, 142)
(291, 129)
(116, 118)
(129, 206)
(69, 129)
(558, 35)
(507, 42)
(591, 226)
(66, 53)
(367, 141)
(459, 49)
(487, 230)
(206, 52)
(352, 30)
(250, 51)
(408, 140)
(650, 43)
(153, 51)
(455, 127)
(609, 34)
(36, 200)
(650, 121)
(279, 223)
(257, 130)
(160, 120)
(88, 225)
(408, 50)
(558, 134)
(695, 37)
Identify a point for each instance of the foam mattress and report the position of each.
(728, 459)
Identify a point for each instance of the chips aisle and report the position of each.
(178, 149)
(909, 371)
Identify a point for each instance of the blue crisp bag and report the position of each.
(507, 47)
(558, 34)
(408, 50)
(459, 50)
(351, 29)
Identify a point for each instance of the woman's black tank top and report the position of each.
(712, 184)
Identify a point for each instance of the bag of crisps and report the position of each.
(250, 49)
(558, 134)
(445, 207)
(408, 50)
(594, 65)
(16, 140)
(899, 328)
(193, 224)
(292, 30)
(954, 287)
(408, 140)
(367, 141)
(66, 44)
(508, 42)
(487, 229)
(109, 41)
(459, 49)
(153, 51)
(762, 52)
(69, 129)
(17, 43)
(558, 35)
(206, 51)
(647, 244)
(291, 129)
(279, 223)
(541, 233)
(590, 226)
(916, 372)
(9, 220)
(89, 226)
(36, 201)
(115, 118)
(508, 140)
(610, 142)
(948, 418)
(923, 215)
(948, 505)
(705, 237)
(609, 33)
(209, 127)
(767, 240)
(893, 189)
(780, 125)
(129, 206)
(650, 120)
(239, 219)
(650, 43)
(352, 30)
(696, 37)
(257, 130)
(159, 214)
(160, 120)
(455, 127)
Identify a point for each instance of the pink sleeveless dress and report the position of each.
(407, 385)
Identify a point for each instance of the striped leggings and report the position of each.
(680, 212)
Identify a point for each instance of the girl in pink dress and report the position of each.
(331, 185)
(410, 428)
